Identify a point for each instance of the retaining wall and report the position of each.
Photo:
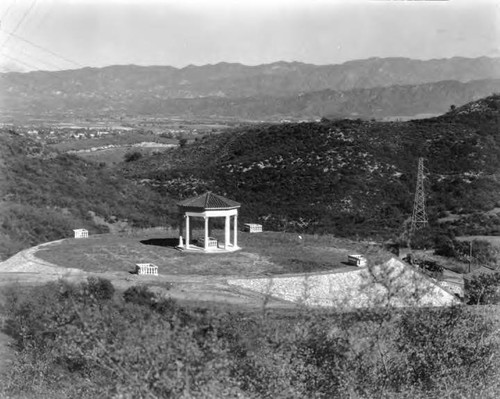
(390, 284)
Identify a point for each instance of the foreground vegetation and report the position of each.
(88, 341)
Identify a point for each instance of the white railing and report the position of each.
(212, 242)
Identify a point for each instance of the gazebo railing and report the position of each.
(212, 242)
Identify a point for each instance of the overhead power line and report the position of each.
(35, 27)
(25, 15)
(4, 15)
(40, 61)
(27, 65)
(13, 34)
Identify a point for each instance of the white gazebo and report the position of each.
(207, 206)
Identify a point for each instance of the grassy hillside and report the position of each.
(46, 194)
(346, 177)
(341, 176)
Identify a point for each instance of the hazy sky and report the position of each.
(63, 34)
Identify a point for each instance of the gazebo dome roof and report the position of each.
(208, 201)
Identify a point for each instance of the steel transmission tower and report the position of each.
(419, 217)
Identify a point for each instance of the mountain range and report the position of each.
(375, 87)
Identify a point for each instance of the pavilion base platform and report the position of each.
(193, 248)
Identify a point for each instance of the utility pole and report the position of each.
(419, 216)
(470, 254)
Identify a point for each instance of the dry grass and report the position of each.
(262, 254)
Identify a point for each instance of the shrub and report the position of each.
(430, 267)
(132, 156)
(423, 238)
(482, 251)
(483, 289)
(441, 345)
(91, 349)
(140, 295)
(166, 306)
(100, 288)
(142, 347)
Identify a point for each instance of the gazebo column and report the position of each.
(206, 232)
(235, 241)
(187, 232)
(227, 232)
(181, 226)
(190, 230)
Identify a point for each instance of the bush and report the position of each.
(423, 238)
(140, 295)
(430, 267)
(440, 345)
(91, 349)
(132, 156)
(483, 252)
(483, 289)
(100, 288)
(142, 347)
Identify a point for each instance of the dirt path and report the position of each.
(27, 262)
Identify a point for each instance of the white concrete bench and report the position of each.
(146, 269)
(252, 228)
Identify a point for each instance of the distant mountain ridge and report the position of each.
(195, 89)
